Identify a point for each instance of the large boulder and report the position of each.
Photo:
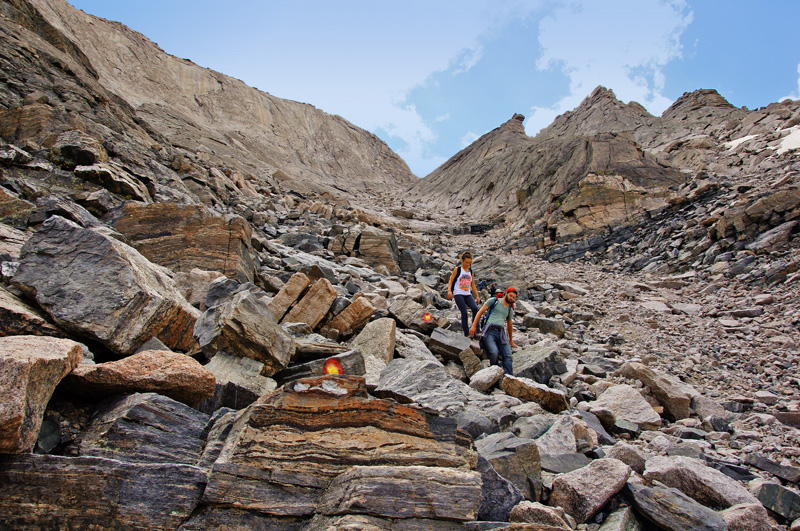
(100, 287)
(241, 324)
(499, 495)
(704, 484)
(283, 452)
(412, 314)
(239, 382)
(376, 343)
(96, 493)
(144, 428)
(378, 247)
(422, 382)
(353, 317)
(671, 509)
(553, 400)
(514, 458)
(583, 492)
(184, 237)
(626, 403)
(19, 319)
(539, 363)
(436, 493)
(673, 394)
(158, 371)
(288, 295)
(30, 369)
(314, 305)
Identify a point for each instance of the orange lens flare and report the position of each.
(427, 317)
(332, 366)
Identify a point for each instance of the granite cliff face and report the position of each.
(202, 115)
(607, 164)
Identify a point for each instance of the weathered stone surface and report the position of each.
(670, 509)
(407, 345)
(471, 363)
(353, 317)
(242, 325)
(352, 363)
(673, 394)
(779, 499)
(626, 403)
(378, 247)
(536, 513)
(563, 463)
(631, 455)
(559, 439)
(114, 494)
(239, 382)
(789, 473)
(115, 179)
(498, 496)
(773, 239)
(284, 450)
(425, 491)
(19, 319)
(100, 287)
(13, 208)
(412, 315)
(73, 148)
(710, 487)
(623, 519)
(214, 517)
(448, 343)
(423, 382)
(583, 492)
(144, 428)
(194, 286)
(485, 379)
(288, 294)
(748, 517)
(515, 459)
(168, 373)
(314, 305)
(185, 237)
(376, 343)
(551, 399)
(30, 369)
(539, 363)
(546, 325)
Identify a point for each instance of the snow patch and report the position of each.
(790, 141)
(733, 144)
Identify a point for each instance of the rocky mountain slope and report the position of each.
(186, 344)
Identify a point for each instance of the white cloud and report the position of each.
(796, 94)
(469, 59)
(624, 49)
(469, 138)
(443, 118)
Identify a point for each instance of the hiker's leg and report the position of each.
(462, 307)
(507, 359)
(491, 341)
(472, 305)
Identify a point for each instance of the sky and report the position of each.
(429, 77)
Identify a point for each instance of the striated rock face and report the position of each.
(284, 451)
(30, 369)
(104, 289)
(208, 112)
(184, 237)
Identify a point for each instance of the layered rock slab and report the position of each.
(284, 450)
(100, 287)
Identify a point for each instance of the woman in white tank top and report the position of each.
(461, 287)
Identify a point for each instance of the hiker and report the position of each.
(495, 338)
(461, 286)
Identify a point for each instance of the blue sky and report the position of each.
(429, 77)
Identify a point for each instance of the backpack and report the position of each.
(482, 322)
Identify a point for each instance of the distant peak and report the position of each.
(696, 100)
(514, 124)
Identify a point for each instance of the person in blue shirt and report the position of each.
(498, 333)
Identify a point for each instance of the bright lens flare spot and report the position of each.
(332, 366)
(427, 317)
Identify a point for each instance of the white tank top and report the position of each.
(463, 282)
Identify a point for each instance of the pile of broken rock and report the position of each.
(128, 407)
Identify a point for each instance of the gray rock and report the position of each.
(673, 394)
(670, 509)
(239, 382)
(623, 519)
(376, 341)
(242, 325)
(541, 516)
(114, 494)
(594, 423)
(515, 459)
(144, 428)
(748, 517)
(563, 463)
(546, 325)
(534, 426)
(631, 455)
(627, 404)
(559, 439)
(583, 492)
(698, 481)
(407, 345)
(498, 495)
(779, 499)
(539, 363)
(484, 379)
(104, 289)
(421, 382)
(475, 423)
(448, 343)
